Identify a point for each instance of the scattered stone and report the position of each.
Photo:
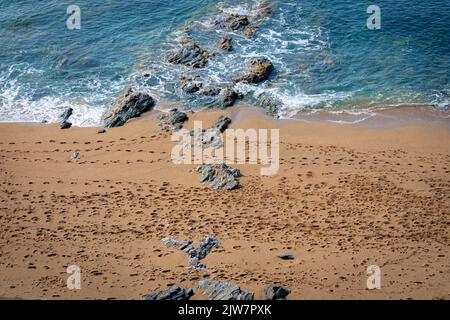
(270, 105)
(101, 131)
(273, 292)
(286, 257)
(190, 86)
(219, 176)
(173, 121)
(216, 290)
(225, 43)
(210, 91)
(64, 117)
(128, 105)
(259, 70)
(170, 242)
(190, 54)
(228, 97)
(173, 293)
(205, 246)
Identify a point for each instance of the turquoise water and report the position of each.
(324, 55)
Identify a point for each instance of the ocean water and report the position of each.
(324, 55)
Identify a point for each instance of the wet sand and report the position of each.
(345, 197)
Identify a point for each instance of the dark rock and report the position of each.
(173, 293)
(228, 97)
(64, 117)
(221, 124)
(65, 125)
(273, 292)
(210, 91)
(190, 85)
(206, 246)
(250, 31)
(216, 290)
(219, 176)
(172, 121)
(286, 257)
(259, 70)
(128, 105)
(190, 54)
(271, 105)
(225, 43)
(101, 131)
(236, 22)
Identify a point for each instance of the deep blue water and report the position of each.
(324, 55)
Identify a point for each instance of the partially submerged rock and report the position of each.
(216, 290)
(221, 124)
(228, 97)
(173, 120)
(190, 54)
(271, 105)
(64, 119)
(173, 293)
(189, 85)
(237, 22)
(273, 292)
(129, 104)
(219, 176)
(259, 70)
(225, 43)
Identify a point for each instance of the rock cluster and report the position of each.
(225, 43)
(190, 54)
(216, 290)
(173, 293)
(228, 97)
(271, 105)
(172, 121)
(128, 105)
(219, 176)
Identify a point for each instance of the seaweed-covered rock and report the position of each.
(128, 105)
(259, 70)
(216, 290)
(225, 43)
(190, 54)
(173, 120)
(173, 293)
(219, 176)
(273, 292)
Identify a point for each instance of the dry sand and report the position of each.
(345, 198)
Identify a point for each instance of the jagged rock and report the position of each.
(250, 31)
(128, 105)
(259, 70)
(228, 97)
(221, 124)
(64, 117)
(219, 176)
(286, 257)
(190, 54)
(194, 254)
(269, 104)
(216, 290)
(173, 293)
(210, 91)
(273, 292)
(225, 43)
(189, 85)
(172, 121)
(236, 22)
(65, 125)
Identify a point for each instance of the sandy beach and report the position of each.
(345, 197)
